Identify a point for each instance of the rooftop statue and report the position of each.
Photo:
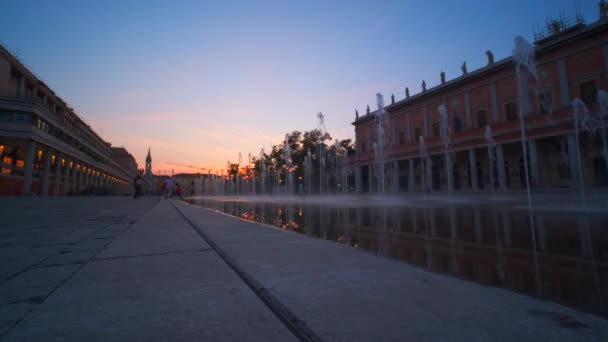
(603, 9)
(463, 67)
(407, 92)
(392, 99)
(442, 75)
(367, 110)
(356, 114)
(423, 86)
(490, 56)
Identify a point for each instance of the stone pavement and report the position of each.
(116, 269)
(119, 269)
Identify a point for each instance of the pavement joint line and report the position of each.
(61, 283)
(289, 319)
(59, 264)
(153, 254)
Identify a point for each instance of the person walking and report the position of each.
(168, 188)
(137, 186)
(178, 191)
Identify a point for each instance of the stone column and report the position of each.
(28, 168)
(81, 181)
(66, 183)
(57, 174)
(473, 170)
(500, 164)
(573, 161)
(533, 155)
(47, 173)
(411, 177)
(448, 169)
(75, 178)
(370, 176)
(21, 90)
(358, 179)
(395, 176)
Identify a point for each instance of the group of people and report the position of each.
(169, 189)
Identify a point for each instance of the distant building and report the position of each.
(152, 183)
(46, 148)
(572, 62)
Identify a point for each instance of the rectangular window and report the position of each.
(436, 129)
(588, 92)
(417, 133)
(401, 138)
(456, 124)
(482, 118)
(363, 147)
(511, 111)
(545, 100)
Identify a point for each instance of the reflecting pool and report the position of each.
(565, 260)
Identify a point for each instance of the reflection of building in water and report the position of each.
(46, 148)
(487, 245)
(495, 248)
(572, 61)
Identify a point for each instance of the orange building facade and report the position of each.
(46, 148)
(572, 62)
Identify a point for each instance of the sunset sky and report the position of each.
(201, 81)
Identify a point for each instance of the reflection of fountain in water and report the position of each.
(523, 56)
(582, 118)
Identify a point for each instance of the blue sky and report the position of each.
(201, 81)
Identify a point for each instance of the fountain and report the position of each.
(489, 136)
(422, 148)
(321, 126)
(523, 56)
(445, 138)
(381, 142)
(288, 165)
(308, 172)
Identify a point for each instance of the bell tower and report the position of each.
(148, 164)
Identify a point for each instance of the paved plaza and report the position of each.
(118, 269)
